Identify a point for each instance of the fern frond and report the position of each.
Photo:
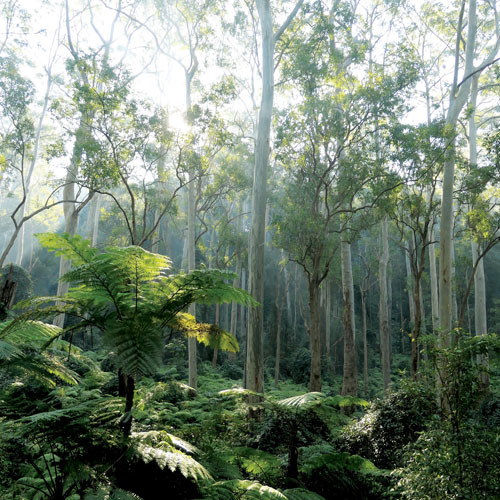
(303, 400)
(241, 489)
(94, 412)
(29, 331)
(45, 368)
(175, 461)
(74, 248)
(239, 392)
(210, 335)
(346, 401)
(8, 353)
(164, 440)
(220, 467)
(301, 494)
(256, 462)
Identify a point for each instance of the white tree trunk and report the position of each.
(383, 311)
(255, 335)
(434, 284)
(458, 98)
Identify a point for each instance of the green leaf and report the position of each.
(301, 494)
(303, 400)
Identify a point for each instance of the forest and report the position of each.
(248, 249)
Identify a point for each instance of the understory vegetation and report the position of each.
(65, 434)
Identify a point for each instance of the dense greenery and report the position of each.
(249, 249)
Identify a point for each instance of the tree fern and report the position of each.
(303, 400)
(256, 463)
(301, 494)
(239, 489)
(170, 452)
(128, 295)
(21, 343)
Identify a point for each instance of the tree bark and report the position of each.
(255, 337)
(365, 341)
(350, 377)
(458, 98)
(191, 249)
(383, 308)
(315, 334)
(434, 284)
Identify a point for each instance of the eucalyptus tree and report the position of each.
(458, 95)
(418, 153)
(270, 36)
(334, 173)
(20, 141)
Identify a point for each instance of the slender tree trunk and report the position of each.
(279, 311)
(315, 334)
(480, 323)
(217, 322)
(255, 334)
(70, 208)
(192, 343)
(328, 320)
(350, 378)
(365, 341)
(434, 284)
(410, 287)
(34, 158)
(93, 219)
(383, 311)
(458, 98)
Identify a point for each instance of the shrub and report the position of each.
(441, 464)
(390, 424)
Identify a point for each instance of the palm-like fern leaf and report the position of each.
(241, 489)
(256, 462)
(74, 248)
(175, 461)
(171, 452)
(303, 400)
(301, 494)
(210, 335)
(20, 346)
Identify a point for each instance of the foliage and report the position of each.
(391, 423)
(457, 457)
(21, 344)
(128, 295)
(63, 452)
(437, 466)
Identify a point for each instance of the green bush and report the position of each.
(390, 424)
(442, 464)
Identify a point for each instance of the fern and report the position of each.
(171, 452)
(302, 401)
(20, 343)
(336, 462)
(255, 462)
(301, 494)
(346, 401)
(238, 489)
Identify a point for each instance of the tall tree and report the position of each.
(459, 93)
(254, 376)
